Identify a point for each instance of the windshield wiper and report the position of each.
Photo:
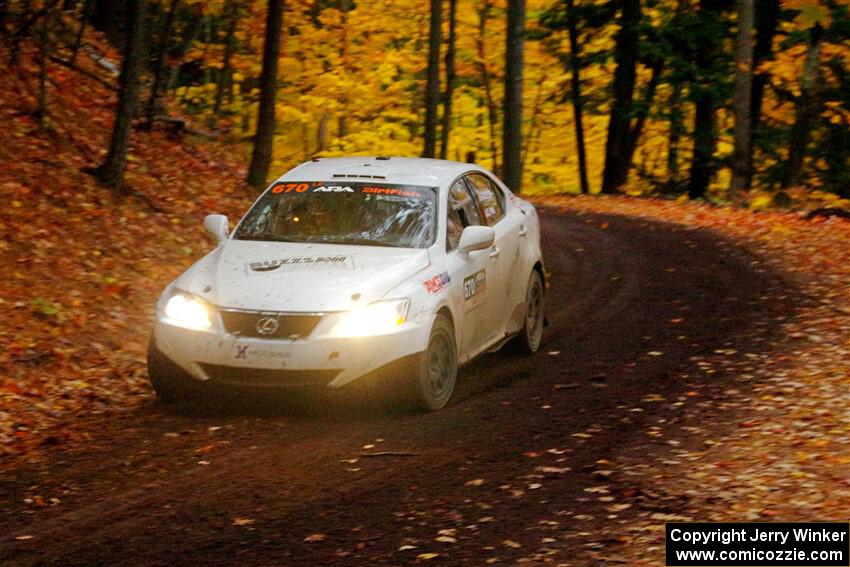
(266, 238)
(355, 240)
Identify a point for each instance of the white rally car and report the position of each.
(352, 267)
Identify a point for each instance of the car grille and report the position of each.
(289, 326)
(269, 377)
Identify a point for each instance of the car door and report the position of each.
(474, 300)
(504, 257)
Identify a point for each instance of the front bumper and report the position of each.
(215, 355)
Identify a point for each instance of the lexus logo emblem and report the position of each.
(267, 325)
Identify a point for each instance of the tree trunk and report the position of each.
(206, 41)
(512, 105)
(342, 120)
(196, 26)
(741, 156)
(677, 128)
(767, 20)
(484, 77)
(578, 105)
(322, 134)
(110, 16)
(111, 171)
(807, 109)
(704, 142)
(450, 81)
(625, 55)
(225, 77)
(78, 41)
(305, 140)
(432, 86)
(642, 111)
(675, 119)
(532, 131)
(705, 100)
(29, 20)
(43, 49)
(264, 138)
(159, 66)
(837, 156)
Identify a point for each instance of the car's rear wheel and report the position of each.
(434, 383)
(169, 380)
(532, 329)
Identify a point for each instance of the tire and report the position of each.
(169, 381)
(435, 381)
(531, 336)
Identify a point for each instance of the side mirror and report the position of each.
(476, 238)
(216, 226)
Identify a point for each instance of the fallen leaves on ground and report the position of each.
(782, 452)
(82, 267)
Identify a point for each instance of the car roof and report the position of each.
(381, 169)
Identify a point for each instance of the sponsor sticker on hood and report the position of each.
(301, 263)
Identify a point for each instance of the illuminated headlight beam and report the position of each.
(377, 318)
(185, 310)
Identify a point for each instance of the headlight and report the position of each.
(186, 310)
(375, 319)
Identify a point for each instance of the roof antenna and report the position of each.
(382, 158)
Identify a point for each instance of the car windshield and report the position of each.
(337, 212)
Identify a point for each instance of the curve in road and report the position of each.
(503, 468)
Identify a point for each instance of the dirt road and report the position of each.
(499, 475)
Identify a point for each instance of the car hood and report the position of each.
(276, 276)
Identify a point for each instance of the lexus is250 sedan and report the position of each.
(346, 268)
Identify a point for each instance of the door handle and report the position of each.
(522, 230)
(495, 253)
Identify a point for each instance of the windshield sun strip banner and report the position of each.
(324, 187)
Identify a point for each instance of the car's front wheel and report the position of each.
(434, 382)
(532, 329)
(169, 380)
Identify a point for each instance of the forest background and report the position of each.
(745, 101)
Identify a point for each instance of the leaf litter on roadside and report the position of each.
(774, 441)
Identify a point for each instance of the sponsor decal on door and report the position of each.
(474, 288)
